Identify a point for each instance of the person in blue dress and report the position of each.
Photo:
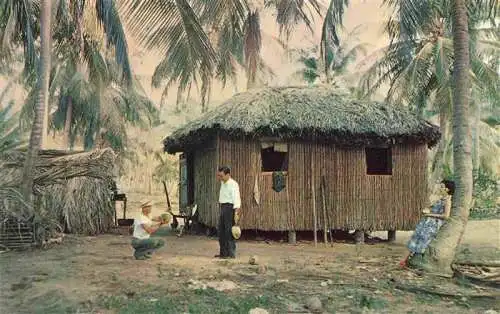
(429, 225)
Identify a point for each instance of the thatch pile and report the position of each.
(306, 113)
(72, 190)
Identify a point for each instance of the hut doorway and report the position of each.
(186, 180)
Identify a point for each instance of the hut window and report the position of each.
(274, 157)
(378, 161)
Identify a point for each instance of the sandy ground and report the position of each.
(82, 269)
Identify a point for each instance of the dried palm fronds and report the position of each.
(72, 193)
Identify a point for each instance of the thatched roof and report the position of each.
(306, 113)
(57, 166)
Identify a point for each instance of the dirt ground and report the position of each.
(99, 275)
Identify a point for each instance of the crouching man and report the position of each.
(142, 241)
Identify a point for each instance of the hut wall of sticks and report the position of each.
(295, 149)
(72, 193)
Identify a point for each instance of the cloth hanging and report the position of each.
(281, 147)
(256, 193)
(265, 145)
(279, 181)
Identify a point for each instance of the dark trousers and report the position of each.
(226, 222)
(146, 246)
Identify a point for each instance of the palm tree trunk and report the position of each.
(42, 102)
(437, 164)
(441, 251)
(475, 141)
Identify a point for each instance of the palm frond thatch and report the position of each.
(72, 191)
(303, 113)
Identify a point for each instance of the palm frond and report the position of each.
(108, 16)
(18, 26)
(329, 37)
(290, 13)
(252, 46)
(10, 133)
(174, 27)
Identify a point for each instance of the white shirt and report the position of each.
(139, 231)
(230, 193)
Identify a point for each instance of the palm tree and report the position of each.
(441, 251)
(18, 21)
(73, 34)
(43, 91)
(337, 60)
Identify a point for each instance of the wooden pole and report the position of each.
(323, 184)
(323, 201)
(313, 188)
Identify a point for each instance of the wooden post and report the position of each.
(391, 235)
(292, 237)
(323, 201)
(313, 188)
(323, 183)
(359, 236)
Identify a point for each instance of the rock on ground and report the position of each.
(253, 260)
(314, 304)
(258, 310)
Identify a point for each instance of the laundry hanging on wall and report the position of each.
(279, 181)
(256, 193)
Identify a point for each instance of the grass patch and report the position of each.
(198, 301)
(371, 303)
(54, 302)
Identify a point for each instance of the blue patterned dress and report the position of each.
(426, 229)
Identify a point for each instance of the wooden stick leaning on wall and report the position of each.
(323, 203)
(329, 221)
(313, 190)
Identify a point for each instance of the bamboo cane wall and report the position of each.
(206, 189)
(354, 200)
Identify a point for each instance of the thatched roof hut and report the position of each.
(72, 193)
(372, 156)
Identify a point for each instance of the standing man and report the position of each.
(230, 203)
(142, 242)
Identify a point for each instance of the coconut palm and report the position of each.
(75, 35)
(337, 61)
(102, 105)
(93, 95)
(42, 100)
(441, 251)
(18, 20)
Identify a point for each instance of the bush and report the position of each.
(486, 193)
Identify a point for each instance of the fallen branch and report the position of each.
(403, 287)
(478, 263)
(480, 281)
(414, 289)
